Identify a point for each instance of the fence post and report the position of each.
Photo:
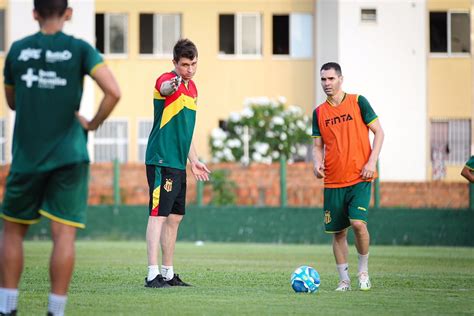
(377, 189)
(116, 182)
(283, 195)
(199, 192)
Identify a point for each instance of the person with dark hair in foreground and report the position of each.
(49, 173)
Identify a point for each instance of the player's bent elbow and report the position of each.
(466, 173)
(115, 94)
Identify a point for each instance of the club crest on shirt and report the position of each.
(168, 185)
(327, 217)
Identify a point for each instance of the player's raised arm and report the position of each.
(170, 86)
(107, 83)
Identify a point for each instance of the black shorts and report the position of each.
(167, 190)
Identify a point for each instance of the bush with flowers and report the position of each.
(273, 128)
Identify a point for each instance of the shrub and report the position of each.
(223, 189)
(274, 129)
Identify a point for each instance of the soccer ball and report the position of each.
(305, 279)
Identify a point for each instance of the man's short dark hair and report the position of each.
(332, 65)
(184, 48)
(50, 8)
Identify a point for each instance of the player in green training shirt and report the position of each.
(169, 147)
(468, 170)
(48, 177)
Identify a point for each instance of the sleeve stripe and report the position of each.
(315, 136)
(373, 121)
(94, 69)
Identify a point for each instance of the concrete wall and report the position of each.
(450, 80)
(3, 108)
(327, 39)
(386, 62)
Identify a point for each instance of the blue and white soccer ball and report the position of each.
(305, 279)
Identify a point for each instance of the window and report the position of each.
(111, 141)
(111, 33)
(144, 129)
(2, 142)
(240, 34)
(2, 30)
(451, 139)
(293, 35)
(450, 32)
(368, 15)
(159, 33)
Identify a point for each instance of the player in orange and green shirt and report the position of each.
(169, 147)
(344, 158)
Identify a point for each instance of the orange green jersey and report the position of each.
(345, 134)
(173, 125)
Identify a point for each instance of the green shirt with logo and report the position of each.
(47, 73)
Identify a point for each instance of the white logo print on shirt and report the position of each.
(29, 53)
(52, 57)
(45, 79)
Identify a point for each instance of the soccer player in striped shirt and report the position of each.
(169, 147)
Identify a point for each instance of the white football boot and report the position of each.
(344, 285)
(364, 281)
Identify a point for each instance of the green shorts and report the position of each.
(343, 205)
(59, 194)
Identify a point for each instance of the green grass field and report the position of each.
(253, 279)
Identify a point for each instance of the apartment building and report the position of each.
(411, 58)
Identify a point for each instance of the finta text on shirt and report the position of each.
(338, 119)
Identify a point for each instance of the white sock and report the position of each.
(8, 300)
(57, 304)
(167, 272)
(3, 301)
(343, 270)
(364, 263)
(153, 271)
